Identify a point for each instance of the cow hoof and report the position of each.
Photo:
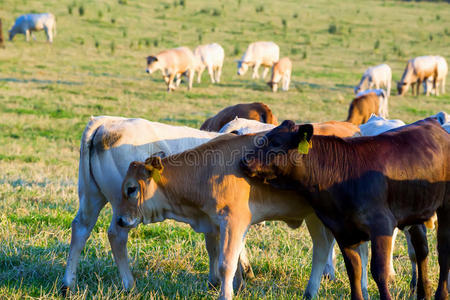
(328, 272)
(365, 294)
(307, 296)
(64, 291)
(248, 273)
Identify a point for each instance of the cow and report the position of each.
(253, 111)
(440, 81)
(362, 188)
(418, 70)
(108, 145)
(258, 54)
(1, 35)
(377, 125)
(26, 24)
(173, 63)
(211, 57)
(362, 107)
(281, 71)
(218, 200)
(376, 77)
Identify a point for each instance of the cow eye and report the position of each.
(131, 190)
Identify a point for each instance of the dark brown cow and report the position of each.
(254, 111)
(362, 188)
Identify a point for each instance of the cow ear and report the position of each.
(154, 163)
(304, 135)
(151, 58)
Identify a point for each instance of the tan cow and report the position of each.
(258, 54)
(281, 70)
(206, 188)
(364, 106)
(173, 63)
(418, 70)
(211, 57)
(253, 111)
(440, 82)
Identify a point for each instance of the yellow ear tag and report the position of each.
(156, 175)
(304, 146)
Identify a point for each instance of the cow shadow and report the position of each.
(40, 81)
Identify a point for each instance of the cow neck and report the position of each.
(333, 160)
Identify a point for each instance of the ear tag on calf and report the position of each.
(304, 146)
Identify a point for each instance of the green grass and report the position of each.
(48, 92)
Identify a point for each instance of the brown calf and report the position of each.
(362, 108)
(362, 188)
(253, 111)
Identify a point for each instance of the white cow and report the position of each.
(26, 24)
(259, 54)
(211, 57)
(377, 125)
(440, 82)
(376, 77)
(241, 126)
(108, 145)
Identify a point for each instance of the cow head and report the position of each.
(402, 87)
(11, 34)
(153, 64)
(242, 67)
(273, 86)
(142, 201)
(277, 153)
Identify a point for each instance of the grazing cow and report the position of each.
(26, 24)
(378, 76)
(362, 188)
(418, 70)
(253, 111)
(440, 82)
(362, 107)
(173, 63)
(210, 57)
(377, 125)
(281, 70)
(258, 54)
(218, 200)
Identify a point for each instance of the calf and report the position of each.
(258, 54)
(281, 70)
(253, 111)
(210, 57)
(418, 70)
(173, 63)
(26, 24)
(362, 107)
(362, 188)
(376, 77)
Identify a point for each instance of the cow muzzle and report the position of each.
(148, 71)
(126, 222)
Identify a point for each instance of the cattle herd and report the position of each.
(352, 181)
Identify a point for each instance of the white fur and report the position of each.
(440, 82)
(26, 24)
(377, 125)
(245, 126)
(376, 77)
(259, 54)
(211, 57)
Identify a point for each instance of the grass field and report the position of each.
(96, 67)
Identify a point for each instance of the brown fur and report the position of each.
(362, 188)
(337, 128)
(362, 108)
(1, 34)
(253, 111)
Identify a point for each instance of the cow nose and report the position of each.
(147, 71)
(121, 222)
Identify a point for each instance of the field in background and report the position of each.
(96, 67)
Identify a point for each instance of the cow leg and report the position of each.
(211, 73)
(391, 258)
(199, 75)
(255, 74)
(232, 235)
(412, 258)
(388, 88)
(27, 35)
(418, 84)
(436, 90)
(48, 34)
(190, 75)
(118, 237)
(264, 74)
(419, 241)
(381, 248)
(82, 226)
(323, 242)
(170, 82)
(443, 245)
(178, 80)
(218, 74)
(353, 265)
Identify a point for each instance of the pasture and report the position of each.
(96, 66)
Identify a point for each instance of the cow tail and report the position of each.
(84, 171)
